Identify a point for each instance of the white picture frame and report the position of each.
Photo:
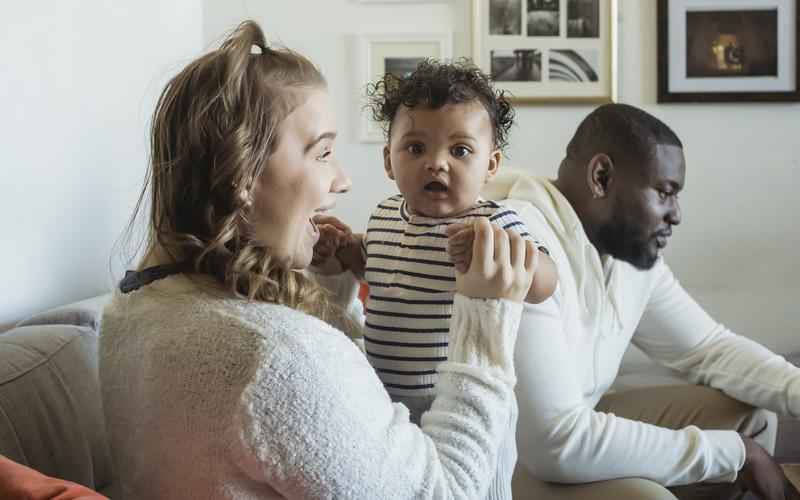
(379, 51)
(548, 51)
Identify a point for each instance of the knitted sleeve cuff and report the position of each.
(483, 333)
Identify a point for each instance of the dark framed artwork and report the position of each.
(728, 50)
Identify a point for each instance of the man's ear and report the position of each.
(494, 165)
(387, 162)
(600, 175)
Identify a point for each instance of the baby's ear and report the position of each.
(387, 162)
(494, 164)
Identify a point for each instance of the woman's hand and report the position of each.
(337, 249)
(332, 234)
(502, 264)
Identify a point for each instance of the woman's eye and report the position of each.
(460, 151)
(415, 149)
(663, 195)
(325, 155)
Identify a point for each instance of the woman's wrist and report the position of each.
(483, 332)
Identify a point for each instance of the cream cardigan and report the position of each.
(210, 397)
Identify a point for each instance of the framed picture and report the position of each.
(728, 50)
(403, 1)
(399, 54)
(547, 50)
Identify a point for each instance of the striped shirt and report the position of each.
(411, 286)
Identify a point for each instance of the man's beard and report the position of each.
(623, 241)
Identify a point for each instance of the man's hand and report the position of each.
(763, 476)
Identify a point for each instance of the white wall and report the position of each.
(78, 80)
(736, 250)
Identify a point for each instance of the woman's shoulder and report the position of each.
(178, 304)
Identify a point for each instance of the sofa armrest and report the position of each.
(84, 313)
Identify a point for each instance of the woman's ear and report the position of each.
(387, 162)
(494, 165)
(600, 175)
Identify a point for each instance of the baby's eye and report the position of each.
(460, 151)
(415, 148)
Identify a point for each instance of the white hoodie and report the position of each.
(570, 347)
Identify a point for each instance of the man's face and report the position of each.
(645, 207)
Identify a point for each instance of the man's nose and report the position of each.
(674, 214)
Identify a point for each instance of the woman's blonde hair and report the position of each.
(214, 128)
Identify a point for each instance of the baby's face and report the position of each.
(441, 158)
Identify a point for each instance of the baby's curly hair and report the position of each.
(435, 84)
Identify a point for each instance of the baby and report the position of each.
(446, 127)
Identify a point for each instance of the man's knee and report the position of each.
(526, 487)
(762, 426)
(721, 411)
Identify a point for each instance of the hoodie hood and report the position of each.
(592, 276)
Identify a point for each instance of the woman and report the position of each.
(221, 375)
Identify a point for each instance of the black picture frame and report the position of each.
(665, 95)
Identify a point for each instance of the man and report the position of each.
(605, 220)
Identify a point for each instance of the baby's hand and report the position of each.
(459, 245)
(351, 254)
(332, 235)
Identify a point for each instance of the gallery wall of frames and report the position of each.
(565, 51)
(557, 51)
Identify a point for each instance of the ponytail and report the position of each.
(214, 128)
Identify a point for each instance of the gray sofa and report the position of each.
(51, 415)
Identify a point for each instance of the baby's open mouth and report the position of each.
(436, 187)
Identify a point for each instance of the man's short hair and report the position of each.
(628, 135)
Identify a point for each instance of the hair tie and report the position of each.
(256, 50)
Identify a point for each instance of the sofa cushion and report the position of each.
(51, 416)
(84, 313)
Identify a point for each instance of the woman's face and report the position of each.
(300, 180)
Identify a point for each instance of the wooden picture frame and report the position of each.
(728, 51)
(548, 51)
(402, 1)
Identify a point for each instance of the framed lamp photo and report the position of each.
(398, 54)
(728, 50)
(558, 51)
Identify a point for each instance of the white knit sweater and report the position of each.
(210, 397)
